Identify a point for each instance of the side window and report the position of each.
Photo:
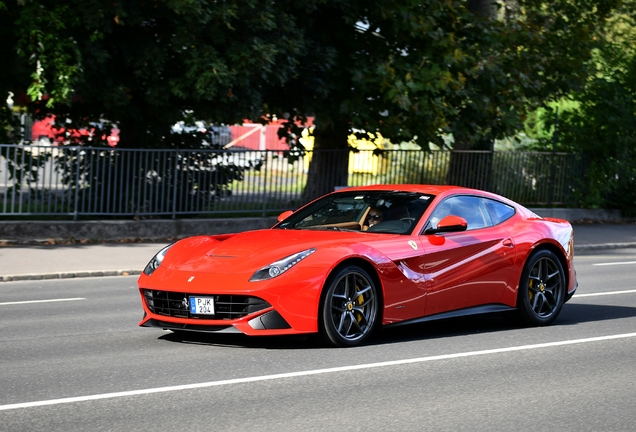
(470, 208)
(498, 211)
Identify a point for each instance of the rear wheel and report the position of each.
(541, 289)
(349, 307)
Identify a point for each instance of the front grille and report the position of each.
(226, 307)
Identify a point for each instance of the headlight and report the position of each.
(156, 260)
(279, 267)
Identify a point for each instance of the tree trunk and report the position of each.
(471, 169)
(484, 8)
(471, 163)
(329, 167)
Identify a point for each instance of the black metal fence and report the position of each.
(98, 182)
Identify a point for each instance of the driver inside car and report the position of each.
(375, 216)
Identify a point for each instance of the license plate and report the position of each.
(202, 305)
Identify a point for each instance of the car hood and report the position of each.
(252, 250)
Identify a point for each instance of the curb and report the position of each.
(70, 275)
(604, 246)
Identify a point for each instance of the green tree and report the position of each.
(424, 69)
(602, 124)
(145, 65)
(409, 69)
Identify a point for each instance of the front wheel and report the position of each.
(349, 308)
(541, 289)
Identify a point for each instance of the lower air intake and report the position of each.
(226, 307)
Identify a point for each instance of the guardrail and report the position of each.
(97, 182)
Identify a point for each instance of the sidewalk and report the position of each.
(34, 262)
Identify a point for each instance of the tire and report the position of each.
(349, 307)
(542, 289)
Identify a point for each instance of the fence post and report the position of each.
(264, 196)
(77, 170)
(174, 190)
(553, 159)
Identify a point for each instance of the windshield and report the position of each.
(391, 212)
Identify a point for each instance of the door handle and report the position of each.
(508, 243)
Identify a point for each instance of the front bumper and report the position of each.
(569, 295)
(269, 321)
(282, 306)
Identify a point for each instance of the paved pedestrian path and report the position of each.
(32, 262)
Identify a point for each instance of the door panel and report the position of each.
(465, 269)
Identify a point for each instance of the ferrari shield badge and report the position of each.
(413, 244)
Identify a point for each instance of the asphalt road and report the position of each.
(73, 359)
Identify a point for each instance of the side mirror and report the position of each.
(450, 223)
(284, 215)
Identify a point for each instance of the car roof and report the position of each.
(422, 188)
(435, 190)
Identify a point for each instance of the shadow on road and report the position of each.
(576, 313)
(570, 315)
(243, 341)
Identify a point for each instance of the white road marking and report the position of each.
(41, 301)
(604, 293)
(308, 373)
(614, 263)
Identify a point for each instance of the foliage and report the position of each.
(9, 125)
(426, 69)
(405, 68)
(601, 120)
(142, 65)
(408, 69)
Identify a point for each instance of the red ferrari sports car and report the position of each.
(364, 257)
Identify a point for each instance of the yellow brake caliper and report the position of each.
(359, 301)
(530, 292)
